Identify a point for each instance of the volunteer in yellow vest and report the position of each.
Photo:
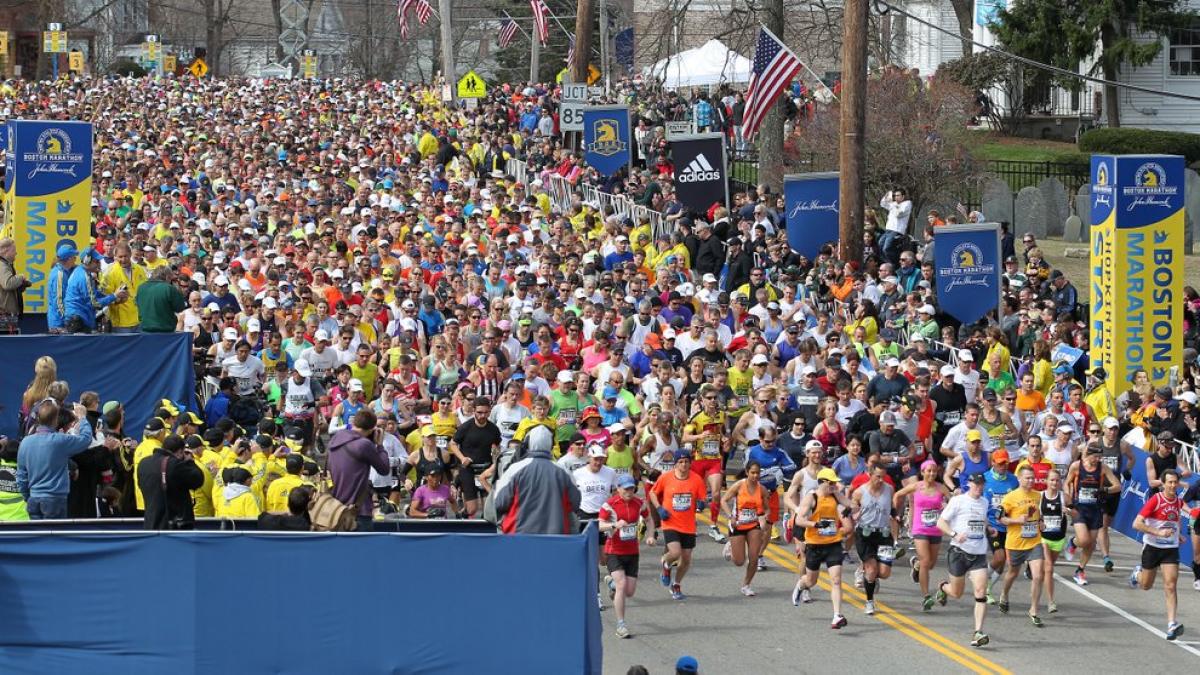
(1020, 511)
(279, 489)
(1098, 398)
(237, 498)
(152, 438)
(237, 455)
(12, 504)
(123, 315)
(207, 460)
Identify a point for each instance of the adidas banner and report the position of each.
(701, 174)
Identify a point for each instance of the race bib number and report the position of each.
(976, 529)
(1053, 523)
(627, 533)
(1087, 495)
(1029, 530)
(929, 517)
(682, 502)
(508, 428)
(710, 449)
(806, 400)
(826, 528)
(952, 417)
(567, 415)
(443, 442)
(1112, 462)
(746, 516)
(886, 554)
(709, 370)
(743, 401)
(1169, 541)
(996, 499)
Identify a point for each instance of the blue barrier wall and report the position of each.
(1133, 498)
(137, 370)
(303, 603)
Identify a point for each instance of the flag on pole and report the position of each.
(570, 51)
(774, 67)
(402, 11)
(540, 10)
(424, 11)
(508, 33)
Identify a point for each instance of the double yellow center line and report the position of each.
(961, 654)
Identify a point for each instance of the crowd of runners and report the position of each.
(338, 247)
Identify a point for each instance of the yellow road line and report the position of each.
(891, 617)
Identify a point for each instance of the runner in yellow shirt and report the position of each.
(1020, 511)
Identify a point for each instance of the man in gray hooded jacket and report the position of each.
(353, 452)
(535, 496)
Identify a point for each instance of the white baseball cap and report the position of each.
(564, 376)
(947, 370)
(269, 303)
(597, 450)
(965, 355)
(253, 326)
(759, 358)
(230, 334)
(321, 335)
(892, 363)
(1189, 396)
(303, 368)
(355, 384)
(927, 309)
(221, 281)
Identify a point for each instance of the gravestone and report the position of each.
(1030, 213)
(1073, 229)
(1083, 209)
(997, 202)
(1188, 238)
(1191, 205)
(1057, 209)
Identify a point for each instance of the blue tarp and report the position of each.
(137, 370)
(304, 603)
(1133, 497)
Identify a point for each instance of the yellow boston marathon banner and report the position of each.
(1137, 266)
(48, 188)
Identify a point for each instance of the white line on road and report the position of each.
(1122, 613)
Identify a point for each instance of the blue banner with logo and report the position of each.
(811, 200)
(966, 260)
(1135, 492)
(607, 138)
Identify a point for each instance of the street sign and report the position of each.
(54, 41)
(3, 43)
(75, 61)
(593, 74)
(198, 68)
(472, 86)
(574, 96)
(170, 63)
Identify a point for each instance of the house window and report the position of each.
(1184, 48)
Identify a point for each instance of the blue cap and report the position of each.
(687, 664)
(66, 250)
(682, 454)
(90, 253)
(610, 392)
(626, 481)
(1062, 369)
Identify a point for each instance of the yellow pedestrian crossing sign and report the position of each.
(472, 86)
(198, 68)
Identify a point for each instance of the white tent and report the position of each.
(711, 64)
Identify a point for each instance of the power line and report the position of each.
(1038, 64)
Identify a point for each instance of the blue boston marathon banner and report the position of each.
(967, 263)
(606, 138)
(812, 211)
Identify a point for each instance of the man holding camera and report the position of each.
(12, 285)
(166, 479)
(353, 452)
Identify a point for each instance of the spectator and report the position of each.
(353, 452)
(56, 286)
(12, 503)
(296, 519)
(167, 478)
(158, 302)
(1063, 294)
(81, 301)
(42, 464)
(123, 274)
(534, 496)
(12, 285)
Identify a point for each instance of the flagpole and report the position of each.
(506, 15)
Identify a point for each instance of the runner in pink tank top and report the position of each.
(928, 497)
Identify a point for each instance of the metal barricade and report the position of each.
(1188, 455)
(517, 169)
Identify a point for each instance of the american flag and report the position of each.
(424, 11)
(540, 10)
(570, 51)
(508, 33)
(402, 11)
(774, 67)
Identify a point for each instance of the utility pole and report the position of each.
(448, 73)
(770, 136)
(604, 44)
(583, 41)
(535, 57)
(851, 153)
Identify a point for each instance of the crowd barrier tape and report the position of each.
(186, 603)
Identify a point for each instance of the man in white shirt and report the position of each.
(899, 210)
(964, 522)
(956, 439)
(320, 357)
(966, 375)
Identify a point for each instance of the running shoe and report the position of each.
(916, 570)
(622, 631)
(1080, 577)
(927, 605)
(851, 557)
(600, 602)
(774, 533)
(1036, 621)
(676, 592)
(612, 588)
(665, 577)
(1133, 576)
(940, 596)
(727, 550)
(714, 533)
(1028, 573)
(860, 577)
(991, 599)
(1174, 630)
(1108, 564)
(748, 592)
(1053, 608)
(1072, 549)
(762, 564)
(1003, 605)
(800, 595)
(979, 639)
(839, 621)
(1196, 584)
(869, 608)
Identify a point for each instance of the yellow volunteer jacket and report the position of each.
(143, 450)
(202, 504)
(278, 491)
(123, 314)
(245, 505)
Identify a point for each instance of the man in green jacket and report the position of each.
(159, 301)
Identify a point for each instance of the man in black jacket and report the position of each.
(710, 253)
(167, 479)
(740, 264)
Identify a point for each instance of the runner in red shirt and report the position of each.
(1159, 523)
(619, 518)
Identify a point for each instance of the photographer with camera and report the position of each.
(353, 452)
(12, 285)
(166, 479)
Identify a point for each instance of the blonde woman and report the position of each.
(45, 372)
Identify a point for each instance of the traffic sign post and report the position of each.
(471, 86)
(308, 66)
(152, 53)
(75, 61)
(198, 68)
(574, 96)
(54, 41)
(170, 63)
